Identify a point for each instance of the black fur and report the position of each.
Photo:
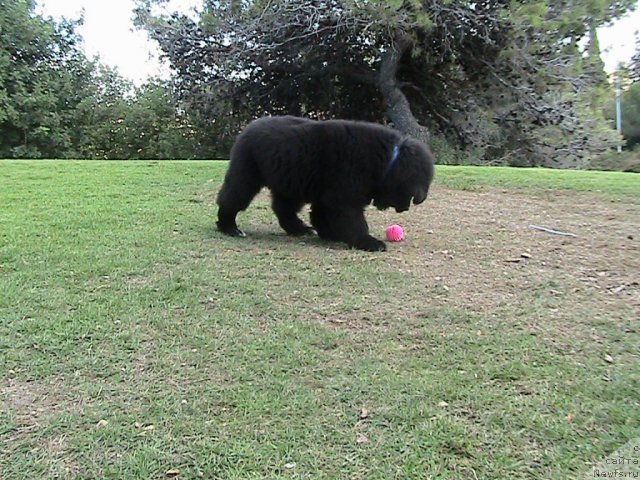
(337, 166)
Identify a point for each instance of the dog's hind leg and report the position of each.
(239, 188)
(322, 222)
(287, 212)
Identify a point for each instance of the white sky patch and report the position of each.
(108, 32)
(618, 41)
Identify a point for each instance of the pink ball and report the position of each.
(395, 233)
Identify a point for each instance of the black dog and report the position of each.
(337, 166)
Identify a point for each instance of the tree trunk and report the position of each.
(397, 106)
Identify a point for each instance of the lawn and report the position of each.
(136, 342)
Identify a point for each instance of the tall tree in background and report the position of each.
(631, 115)
(503, 80)
(631, 103)
(634, 65)
(55, 103)
(43, 75)
(629, 81)
(144, 124)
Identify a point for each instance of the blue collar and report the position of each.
(392, 162)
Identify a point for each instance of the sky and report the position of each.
(108, 32)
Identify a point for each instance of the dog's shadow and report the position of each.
(279, 239)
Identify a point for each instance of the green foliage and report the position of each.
(631, 115)
(42, 80)
(634, 65)
(593, 64)
(145, 124)
(630, 106)
(503, 81)
(55, 103)
(625, 161)
(496, 83)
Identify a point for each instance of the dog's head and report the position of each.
(407, 180)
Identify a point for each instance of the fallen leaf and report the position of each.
(619, 289)
(443, 404)
(174, 472)
(608, 358)
(362, 439)
(569, 417)
(364, 413)
(102, 423)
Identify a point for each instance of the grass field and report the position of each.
(138, 343)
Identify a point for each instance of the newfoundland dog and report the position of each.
(337, 166)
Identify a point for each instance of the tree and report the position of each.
(116, 120)
(145, 124)
(161, 129)
(43, 76)
(631, 102)
(55, 103)
(493, 76)
(631, 115)
(634, 65)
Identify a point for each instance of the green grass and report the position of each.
(616, 185)
(135, 340)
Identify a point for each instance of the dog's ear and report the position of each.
(419, 195)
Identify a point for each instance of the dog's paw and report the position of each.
(370, 244)
(232, 231)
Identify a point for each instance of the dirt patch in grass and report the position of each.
(477, 251)
(31, 402)
(471, 251)
(32, 405)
